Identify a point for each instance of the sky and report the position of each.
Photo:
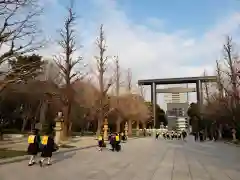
(155, 38)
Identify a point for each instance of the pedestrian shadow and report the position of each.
(63, 156)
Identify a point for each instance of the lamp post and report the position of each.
(58, 128)
(126, 129)
(105, 129)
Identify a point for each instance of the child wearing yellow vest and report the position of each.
(47, 148)
(100, 142)
(117, 145)
(33, 146)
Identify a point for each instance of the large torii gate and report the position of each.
(185, 80)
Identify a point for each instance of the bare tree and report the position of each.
(18, 30)
(206, 88)
(117, 76)
(220, 85)
(116, 105)
(52, 73)
(230, 58)
(223, 106)
(129, 80)
(104, 84)
(66, 63)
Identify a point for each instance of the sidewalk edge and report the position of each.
(26, 157)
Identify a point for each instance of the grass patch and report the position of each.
(8, 153)
(66, 146)
(236, 142)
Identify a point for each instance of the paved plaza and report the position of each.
(140, 159)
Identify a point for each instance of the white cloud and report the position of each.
(160, 54)
(157, 54)
(155, 22)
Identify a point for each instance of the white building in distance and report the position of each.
(181, 123)
(175, 97)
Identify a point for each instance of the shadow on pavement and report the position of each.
(63, 156)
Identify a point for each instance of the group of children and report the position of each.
(175, 135)
(46, 146)
(40, 144)
(114, 140)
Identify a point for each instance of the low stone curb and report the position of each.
(26, 157)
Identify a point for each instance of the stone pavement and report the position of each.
(140, 159)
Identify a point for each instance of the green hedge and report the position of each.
(14, 131)
(84, 133)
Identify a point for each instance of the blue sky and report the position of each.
(186, 20)
(155, 38)
(196, 15)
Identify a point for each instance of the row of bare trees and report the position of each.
(63, 83)
(222, 105)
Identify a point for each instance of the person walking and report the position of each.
(100, 142)
(33, 146)
(122, 136)
(117, 141)
(184, 135)
(157, 135)
(47, 148)
(196, 136)
(113, 142)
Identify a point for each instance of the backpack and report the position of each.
(31, 139)
(100, 138)
(117, 138)
(44, 140)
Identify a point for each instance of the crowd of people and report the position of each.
(46, 146)
(170, 135)
(114, 141)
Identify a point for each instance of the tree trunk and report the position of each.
(99, 126)
(118, 124)
(144, 125)
(25, 120)
(1, 134)
(129, 127)
(65, 131)
(220, 132)
(43, 111)
(137, 128)
(70, 129)
(66, 123)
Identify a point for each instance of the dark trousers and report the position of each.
(113, 146)
(196, 136)
(201, 137)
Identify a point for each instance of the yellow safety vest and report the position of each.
(117, 138)
(44, 140)
(31, 139)
(100, 138)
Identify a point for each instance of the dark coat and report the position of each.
(112, 139)
(34, 148)
(49, 148)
